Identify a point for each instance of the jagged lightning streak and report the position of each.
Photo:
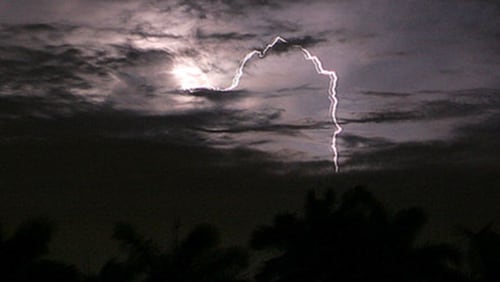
(332, 89)
(261, 54)
(332, 95)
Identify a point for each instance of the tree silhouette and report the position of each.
(484, 254)
(356, 240)
(353, 239)
(196, 258)
(22, 255)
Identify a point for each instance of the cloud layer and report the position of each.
(408, 72)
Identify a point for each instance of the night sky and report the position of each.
(95, 126)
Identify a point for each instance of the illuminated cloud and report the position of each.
(131, 56)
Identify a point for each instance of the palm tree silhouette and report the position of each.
(22, 256)
(196, 258)
(356, 240)
(484, 254)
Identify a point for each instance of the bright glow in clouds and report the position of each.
(200, 81)
(191, 76)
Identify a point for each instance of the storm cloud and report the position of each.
(120, 58)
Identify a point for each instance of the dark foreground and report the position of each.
(163, 192)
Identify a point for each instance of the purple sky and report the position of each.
(410, 71)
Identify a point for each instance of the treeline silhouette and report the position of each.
(353, 238)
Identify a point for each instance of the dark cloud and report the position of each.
(220, 96)
(237, 7)
(61, 66)
(483, 135)
(360, 141)
(409, 155)
(203, 35)
(59, 115)
(462, 103)
(303, 87)
(34, 27)
(53, 104)
(282, 129)
(47, 61)
(452, 104)
(272, 27)
(470, 145)
(385, 94)
(129, 56)
(473, 146)
(305, 42)
(492, 2)
(386, 116)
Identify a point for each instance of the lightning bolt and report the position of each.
(332, 89)
(332, 96)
